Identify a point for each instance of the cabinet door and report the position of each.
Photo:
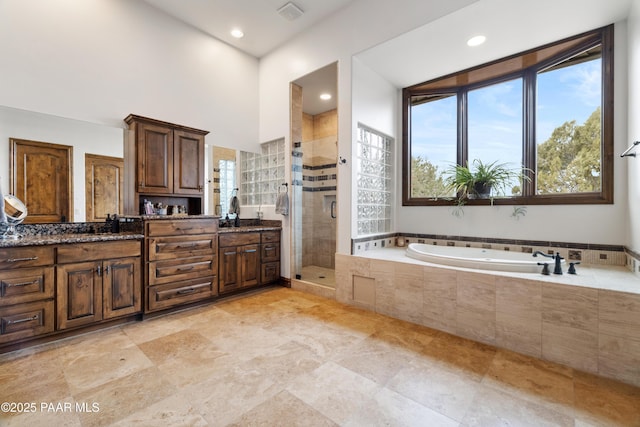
(188, 163)
(104, 186)
(41, 177)
(229, 269)
(155, 159)
(79, 295)
(121, 287)
(250, 265)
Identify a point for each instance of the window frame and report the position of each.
(603, 37)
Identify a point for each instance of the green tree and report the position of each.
(426, 180)
(569, 161)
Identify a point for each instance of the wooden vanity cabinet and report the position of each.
(182, 262)
(26, 292)
(164, 162)
(239, 261)
(97, 281)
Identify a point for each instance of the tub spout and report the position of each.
(536, 253)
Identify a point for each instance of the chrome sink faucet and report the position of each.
(557, 258)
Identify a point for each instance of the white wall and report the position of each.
(377, 103)
(100, 60)
(634, 126)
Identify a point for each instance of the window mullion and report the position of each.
(463, 128)
(529, 132)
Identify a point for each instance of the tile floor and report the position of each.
(282, 357)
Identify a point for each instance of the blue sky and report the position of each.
(495, 115)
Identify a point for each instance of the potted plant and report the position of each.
(480, 181)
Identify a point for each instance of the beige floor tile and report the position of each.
(334, 391)
(436, 388)
(283, 410)
(389, 408)
(531, 379)
(150, 329)
(461, 355)
(495, 408)
(233, 391)
(33, 377)
(185, 357)
(87, 371)
(175, 411)
(601, 401)
(284, 363)
(120, 398)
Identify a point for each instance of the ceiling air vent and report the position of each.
(290, 11)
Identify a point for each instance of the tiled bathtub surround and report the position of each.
(590, 322)
(583, 252)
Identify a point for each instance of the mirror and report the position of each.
(14, 213)
(93, 140)
(84, 137)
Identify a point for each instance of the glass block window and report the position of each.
(261, 174)
(373, 174)
(227, 183)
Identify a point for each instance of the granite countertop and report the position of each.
(155, 217)
(248, 228)
(55, 239)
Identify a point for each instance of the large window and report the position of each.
(547, 112)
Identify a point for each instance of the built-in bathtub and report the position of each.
(478, 258)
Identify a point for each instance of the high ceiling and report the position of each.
(264, 28)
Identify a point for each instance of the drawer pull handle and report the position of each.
(230, 253)
(33, 282)
(31, 258)
(28, 319)
(186, 291)
(187, 268)
(250, 250)
(186, 246)
(268, 248)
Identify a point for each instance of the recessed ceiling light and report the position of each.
(237, 33)
(325, 96)
(476, 40)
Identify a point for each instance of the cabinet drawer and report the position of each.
(98, 251)
(181, 246)
(164, 296)
(25, 285)
(270, 252)
(179, 227)
(239, 239)
(160, 272)
(270, 236)
(26, 320)
(30, 256)
(270, 272)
